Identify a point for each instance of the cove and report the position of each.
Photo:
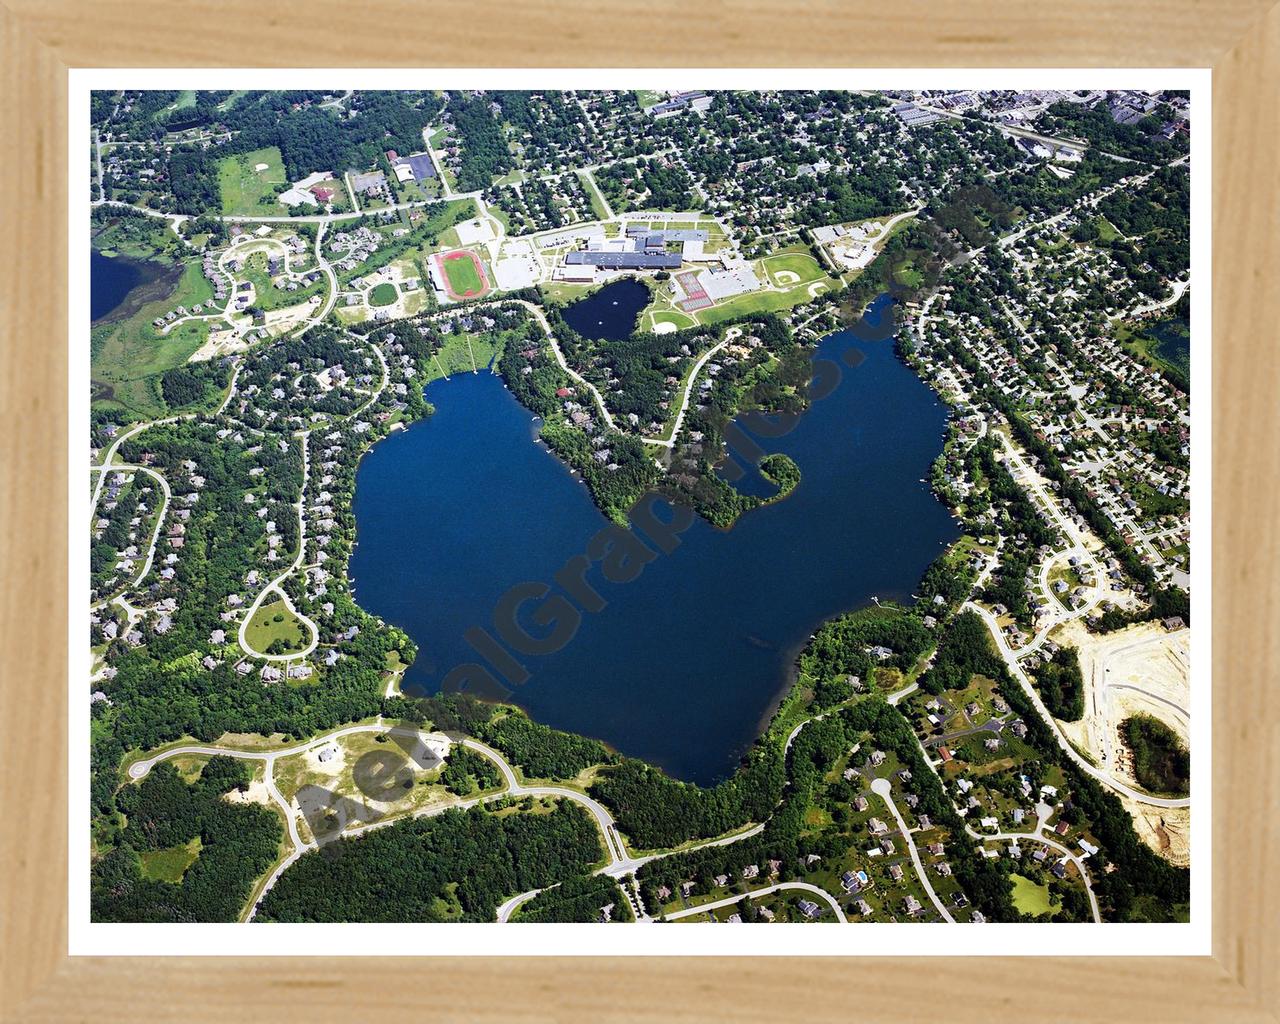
(610, 312)
(684, 664)
(119, 285)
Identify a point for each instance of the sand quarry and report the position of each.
(1139, 670)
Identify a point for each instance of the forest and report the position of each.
(484, 152)
(577, 899)
(310, 138)
(1161, 764)
(540, 751)
(1140, 141)
(1061, 685)
(236, 843)
(454, 866)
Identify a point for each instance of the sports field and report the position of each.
(248, 182)
(463, 274)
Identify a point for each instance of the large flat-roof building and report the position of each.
(625, 260)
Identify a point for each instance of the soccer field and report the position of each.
(462, 269)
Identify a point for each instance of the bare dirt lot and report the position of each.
(1139, 670)
(1167, 830)
(1142, 669)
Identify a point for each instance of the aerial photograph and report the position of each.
(638, 506)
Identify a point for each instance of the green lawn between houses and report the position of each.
(1030, 898)
(274, 622)
(383, 294)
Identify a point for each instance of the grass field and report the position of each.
(791, 267)
(171, 864)
(461, 352)
(383, 294)
(246, 190)
(1030, 898)
(564, 291)
(274, 621)
(598, 205)
(906, 274)
(649, 98)
(128, 356)
(671, 316)
(298, 770)
(758, 302)
(463, 274)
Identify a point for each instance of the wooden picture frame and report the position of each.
(1239, 39)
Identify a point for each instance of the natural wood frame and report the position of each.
(40, 39)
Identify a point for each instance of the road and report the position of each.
(541, 317)
(1107, 780)
(619, 861)
(802, 886)
(1037, 837)
(729, 335)
(882, 788)
(275, 585)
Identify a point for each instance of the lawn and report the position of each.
(649, 98)
(244, 188)
(463, 274)
(383, 294)
(1030, 898)
(759, 302)
(171, 864)
(597, 200)
(274, 621)
(463, 352)
(564, 291)
(906, 274)
(681, 321)
(781, 266)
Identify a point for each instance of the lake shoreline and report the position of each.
(152, 281)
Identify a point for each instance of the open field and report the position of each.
(462, 353)
(246, 187)
(274, 621)
(330, 768)
(171, 864)
(383, 294)
(1030, 898)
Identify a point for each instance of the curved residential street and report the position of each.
(882, 789)
(1037, 837)
(275, 585)
(821, 893)
(1107, 780)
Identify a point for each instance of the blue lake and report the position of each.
(610, 312)
(685, 663)
(113, 279)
